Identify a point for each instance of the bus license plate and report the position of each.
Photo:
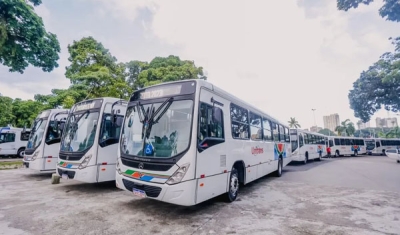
(64, 176)
(139, 193)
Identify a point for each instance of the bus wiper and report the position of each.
(74, 128)
(150, 118)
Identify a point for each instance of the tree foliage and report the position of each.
(18, 112)
(23, 37)
(6, 114)
(327, 132)
(389, 11)
(293, 123)
(378, 86)
(346, 127)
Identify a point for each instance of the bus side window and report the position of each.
(330, 143)
(287, 135)
(240, 122)
(210, 122)
(10, 137)
(255, 127)
(378, 144)
(267, 130)
(281, 133)
(306, 138)
(25, 136)
(337, 141)
(275, 131)
(301, 140)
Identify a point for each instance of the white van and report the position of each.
(13, 141)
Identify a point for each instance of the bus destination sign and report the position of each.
(88, 105)
(162, 91)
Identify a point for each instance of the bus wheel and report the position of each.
(20, 152)
(398, 161)
(233, 190)
(280, 165)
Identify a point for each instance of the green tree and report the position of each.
(25, 111)
(6, 114)
(346, 127)
(394, 133)
(389, 11)
(293, 123)
(378, 86)
(23, 37)
(167, 69)
(93, 66)
(327, 132)
(65, 98)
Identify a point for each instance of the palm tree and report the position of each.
(293, 123)
(346, 127)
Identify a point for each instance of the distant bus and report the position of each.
(13, 141)
(89, 143)
(342, 146)
(307, 145)
(188, 141)
(380, 145)
(41, 153)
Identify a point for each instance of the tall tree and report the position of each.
(6, 114)
(293, 123)
(327, 132)
(394, 133)
(378, 86)
(346, 127)
(23, 37)
(25, 111)
(93, 66)
(167, 69)
(389, 11)
(65, 98)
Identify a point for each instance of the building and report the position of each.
(386, 122)
(331, 121)
(315, 128)
(363, 125)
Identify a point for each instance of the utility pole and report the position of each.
(315, 124)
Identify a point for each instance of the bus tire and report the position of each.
(233, 188)
(306, 159)
(278, 172)
(20, 152)
(398, 161)
(383, 152)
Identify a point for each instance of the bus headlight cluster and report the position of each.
(179, 174)
(34, 156)
(118, 168)
(85, 162)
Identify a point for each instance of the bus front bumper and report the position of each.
(180, 194)
(87, 174)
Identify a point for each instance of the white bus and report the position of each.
(341, 146)
(41, 153)
(380, 145)
(188, 141)
(89, 144)
(307, 145)
(13, 141)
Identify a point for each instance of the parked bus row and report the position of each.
(179, 142)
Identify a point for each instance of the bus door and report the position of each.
(52, 140)
(107, 144)
(212, 156)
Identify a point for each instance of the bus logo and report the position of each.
(141, 165)
(257, 150)
(279, 150)
(355, 147)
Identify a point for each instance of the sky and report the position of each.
(285, 57)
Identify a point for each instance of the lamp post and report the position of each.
(315, 124)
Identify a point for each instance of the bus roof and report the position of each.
(308, 132)
(225, 95)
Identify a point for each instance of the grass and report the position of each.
(10, 165)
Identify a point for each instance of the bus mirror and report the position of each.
(62, 124)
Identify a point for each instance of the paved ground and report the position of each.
(336, 196)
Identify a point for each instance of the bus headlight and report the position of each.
(34, 156)
(85, 161)
(179, 174)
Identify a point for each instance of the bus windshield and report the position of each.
(80, 131)
(370, 144)
(37, 133)
(168, 135)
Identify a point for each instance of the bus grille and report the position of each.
(147, 165)
(71, 158)
(151, 191)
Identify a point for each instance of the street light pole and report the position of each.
(315, 124)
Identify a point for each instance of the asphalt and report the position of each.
(349, 195)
